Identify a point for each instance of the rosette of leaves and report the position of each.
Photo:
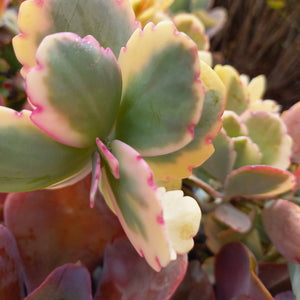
(250, 165)
(132, 115)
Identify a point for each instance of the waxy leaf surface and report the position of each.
(68, 282)
(76, 89)
(235, 274)
(233, 124)
(30, 159)
(53, 227)
(110, 22)
(162, 92)
(128, 276)
(179, 164)
(11, 277)
(258, 182)
(136, 201)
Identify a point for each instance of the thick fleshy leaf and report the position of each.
(53, 227)
(294, 271)
(233, 125)
(127, 276)
(257, 87)
(258, 182)
(269, 132)
(11, 277)
(275, 277)
(235, 274)
(30, 159)
(76, 89)
(180, 163)
(68, 282)
(292, 120)
(221, 163)
(162, 92)
(247, 152)
(195, 284)
(110, 22)
(281, 223)
(136, 201)
(236, 92)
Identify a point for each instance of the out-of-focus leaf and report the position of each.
(276, 4)
(137, 203)
(195, 284)
(127, 276)
(68, 282)
(236, 276)
(2, 200)
(53, 227)
(258, 182)
(236, 93)
(281, 223)
(289, 295)
(162, 93)
(75, 89)
(292, 120)
(221, 163)
(11, 276)
(30, 159)
(275, 277)
(257, 87)
(181, 163)
(294, 271)
(269, 133)
(233, 125)
(110, 22)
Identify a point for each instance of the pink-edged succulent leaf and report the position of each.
(162, 93)
(235, 274)
(137, 203)
(269, 133)
(221, 163)
(258, 182)
(233, 125)
(291, 118)
(75, 88)
(236, 93)
(195, 284)
(11, 276)
(274, 276)
(179, 164)
(281, 223)
(233, 217)
(128, 276)
(67, 282)
(194, 28)
(30, 159)
(110, 22)
(53, 227)
(247, 152)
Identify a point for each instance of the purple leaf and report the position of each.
(68, 282)
(235, 274)
(54, 227)
(10, 267)
(127, 276)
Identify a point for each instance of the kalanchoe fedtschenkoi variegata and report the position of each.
(86, 103)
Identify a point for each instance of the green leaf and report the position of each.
(294, 271)
(269, 133)
(135, 200)
(162, 93)
(76, 89)
(110, 22)
(30, 159)
(258, 182)
(233, 124)
(247, 152)
(221, 163)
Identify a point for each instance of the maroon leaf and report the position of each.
(127, 276)
(54, 227)
(10, 267)
(235, 274)
(275, 277)
(68, 282)
(195, 284)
